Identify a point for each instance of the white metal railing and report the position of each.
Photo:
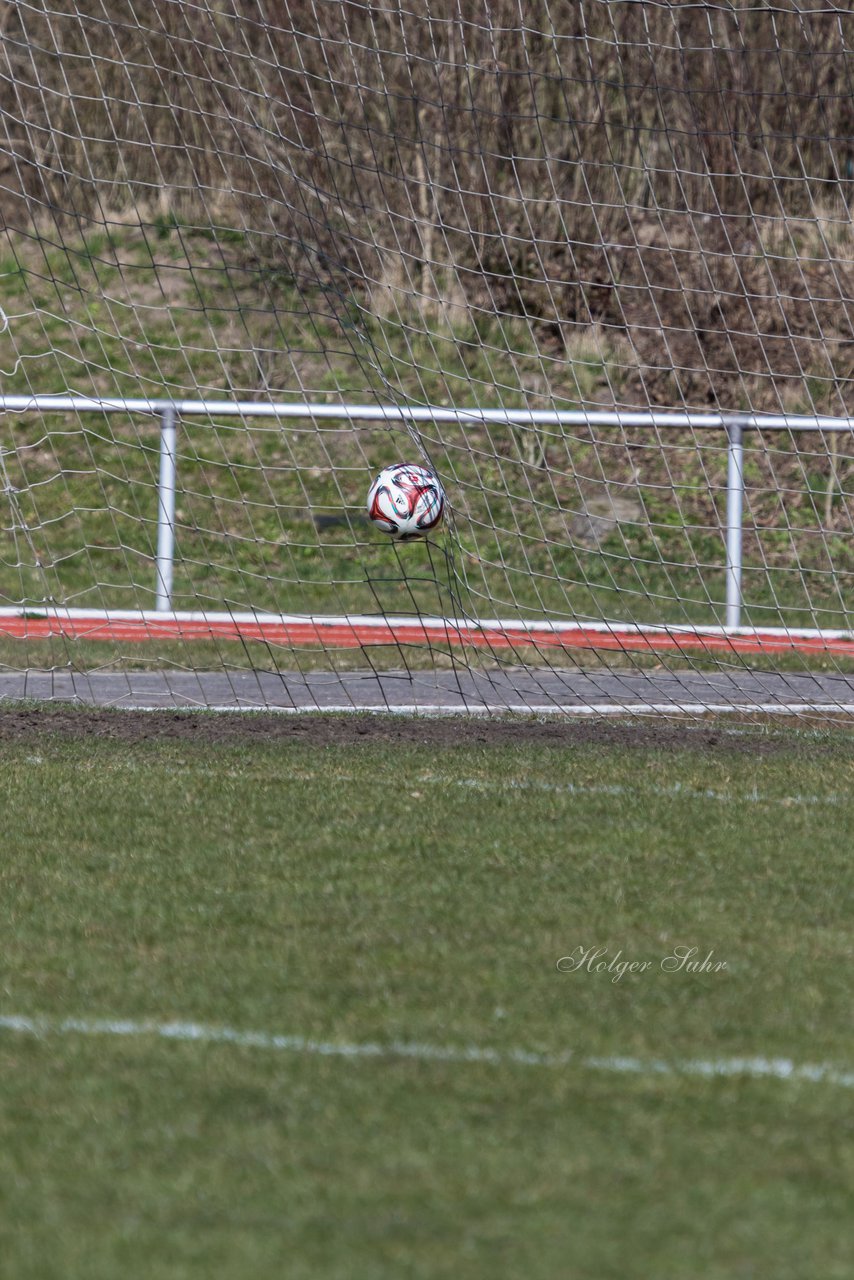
(170, 411)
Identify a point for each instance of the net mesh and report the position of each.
(575, 207)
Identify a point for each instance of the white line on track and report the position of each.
(624, 709)
(750, 1067)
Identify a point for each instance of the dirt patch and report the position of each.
(222, 728)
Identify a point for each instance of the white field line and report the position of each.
(624, 709)
(752, 1067)
(678, 791)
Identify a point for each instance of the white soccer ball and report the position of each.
(406, 501)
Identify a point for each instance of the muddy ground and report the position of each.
(240, 729)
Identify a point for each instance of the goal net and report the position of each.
(590, 262)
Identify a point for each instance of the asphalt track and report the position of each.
(541, 691)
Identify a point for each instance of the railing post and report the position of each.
(734, 519)
(166, 508)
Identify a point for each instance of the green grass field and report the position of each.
(375, 883)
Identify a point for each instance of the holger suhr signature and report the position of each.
(681, 959)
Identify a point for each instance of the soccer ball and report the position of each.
(406, 501)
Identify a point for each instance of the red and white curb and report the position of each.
(354, 631)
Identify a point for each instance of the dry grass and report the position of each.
(673, 174)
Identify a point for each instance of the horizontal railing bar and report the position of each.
(652, 418)
(403, 622)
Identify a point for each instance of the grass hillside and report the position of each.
(270, 516)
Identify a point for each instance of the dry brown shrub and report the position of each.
(636, 166)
